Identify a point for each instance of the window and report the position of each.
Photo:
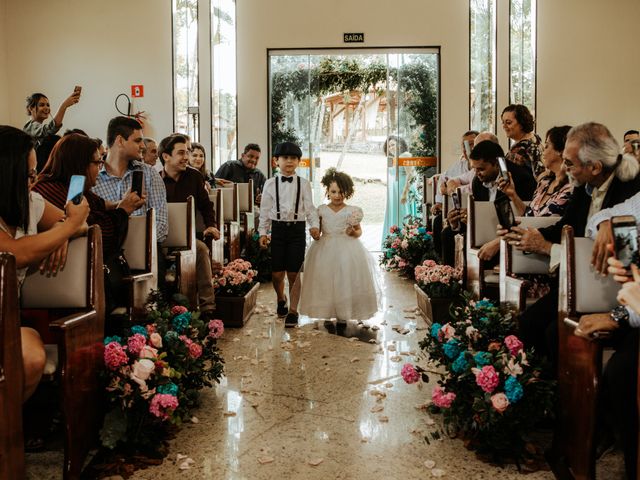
(185, 67)
(223, 80)
(482, 64)
(522, 47)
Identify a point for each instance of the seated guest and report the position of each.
(198, 160)
(151, 154)
(484, 161)
(38, 109)
(76, 154)
(602, 178)
(630, 138)
(518, 124)
(182, 181)
(464, 179)
(243, 170)
(23, 214)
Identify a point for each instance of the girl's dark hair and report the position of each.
(343, 181)
(401, 144)
(33, 99)
(15, 147)
(558, 137)
(70, 156)
(523, 116)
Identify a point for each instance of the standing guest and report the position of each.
(243, 170)
(286, 207)
(198, 161)
(182, 181)
(39, 109)
(518, 124)
(32, 230)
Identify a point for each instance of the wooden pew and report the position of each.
(247, 214)
(181, 243)
(11, 373)
(582, 291)
(141, 251)
(216, 247)
(231, 215)
(514, 264)
(78, 332)
(481, 228)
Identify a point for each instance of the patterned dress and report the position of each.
(528, 152)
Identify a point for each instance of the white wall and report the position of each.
(311, 23)
(103, 46)
(4, 79)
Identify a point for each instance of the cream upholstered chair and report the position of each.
(181, 246)
(582, 291)
(141, 251)
(515, 263)
(11, 373)
(482, 222)
(74, 298)
(231, 216)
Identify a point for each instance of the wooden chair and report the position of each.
(216, 247)
(231, 216)
(247, 214)
(78, 332)
(481, 228)
(514, 263)
(582, 291)
(141, 251)
(181, 243)
(11, 373)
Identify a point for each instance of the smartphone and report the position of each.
(456, 201)
(504, 212)
(77, 89)
(76, 189)
(137, 177)
(467, 147)
(625, 238)
(504, 173)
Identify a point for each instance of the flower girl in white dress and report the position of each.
(339, 273)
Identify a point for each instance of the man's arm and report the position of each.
(631, 206)
(310, 211)
(157, 199)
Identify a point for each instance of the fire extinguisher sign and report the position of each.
(137, 91)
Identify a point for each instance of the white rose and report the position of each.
(142, 369)
(148, 352)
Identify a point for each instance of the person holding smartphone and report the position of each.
(39, 109)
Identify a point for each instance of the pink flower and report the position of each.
(162, 405)
(151, 328)
(178, 309)
(148, 352)
(441, 399)
(487, 378)
(195, 350)
(514, 344)
(136, 343)
(114, 355)
(499, 402)
(393, 229)
(404, 244)
(216, 328)
(448, 331)
(155, 339)
(409, 373)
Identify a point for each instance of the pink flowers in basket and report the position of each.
(437, 280)
(235, 279)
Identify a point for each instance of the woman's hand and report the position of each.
(55, 261)
(77, 214)
(132, 202)
(629, 294)
(529, 240)
(71, 99)
(507, 187)
(489, 249)
(617, 271)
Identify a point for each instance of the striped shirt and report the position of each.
(113, 189)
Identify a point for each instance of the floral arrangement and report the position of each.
(438, 281)
(492, 391)
(235, 279)
(155, 369)
(407, 247)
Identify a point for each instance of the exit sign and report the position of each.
(353, 37)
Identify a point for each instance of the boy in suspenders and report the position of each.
(286, 207)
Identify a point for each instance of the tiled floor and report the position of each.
(309, 403)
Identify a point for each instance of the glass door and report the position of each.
(344, 108)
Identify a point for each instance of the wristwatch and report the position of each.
(620, 315)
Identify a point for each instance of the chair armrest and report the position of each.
(74, 320)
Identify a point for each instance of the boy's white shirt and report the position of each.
(306, 210)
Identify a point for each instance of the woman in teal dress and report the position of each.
(399, 188)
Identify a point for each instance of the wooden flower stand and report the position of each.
(235, 311)
(433, 309)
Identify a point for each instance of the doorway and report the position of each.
(371, 113)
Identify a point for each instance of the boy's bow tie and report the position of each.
(287, 179)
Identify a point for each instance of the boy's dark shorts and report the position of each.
(288, 244)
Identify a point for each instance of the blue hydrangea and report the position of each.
(115, 338)
(451, 348)
(171, 337)
(427, 236)
(482, 359)
(180, 322)
(484, 304)
(484, 319)
(435, 329)
(513, 390)
(460, 364)
(139, 329)
(168, 389)
(422, 230)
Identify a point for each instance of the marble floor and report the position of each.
(322, 401)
